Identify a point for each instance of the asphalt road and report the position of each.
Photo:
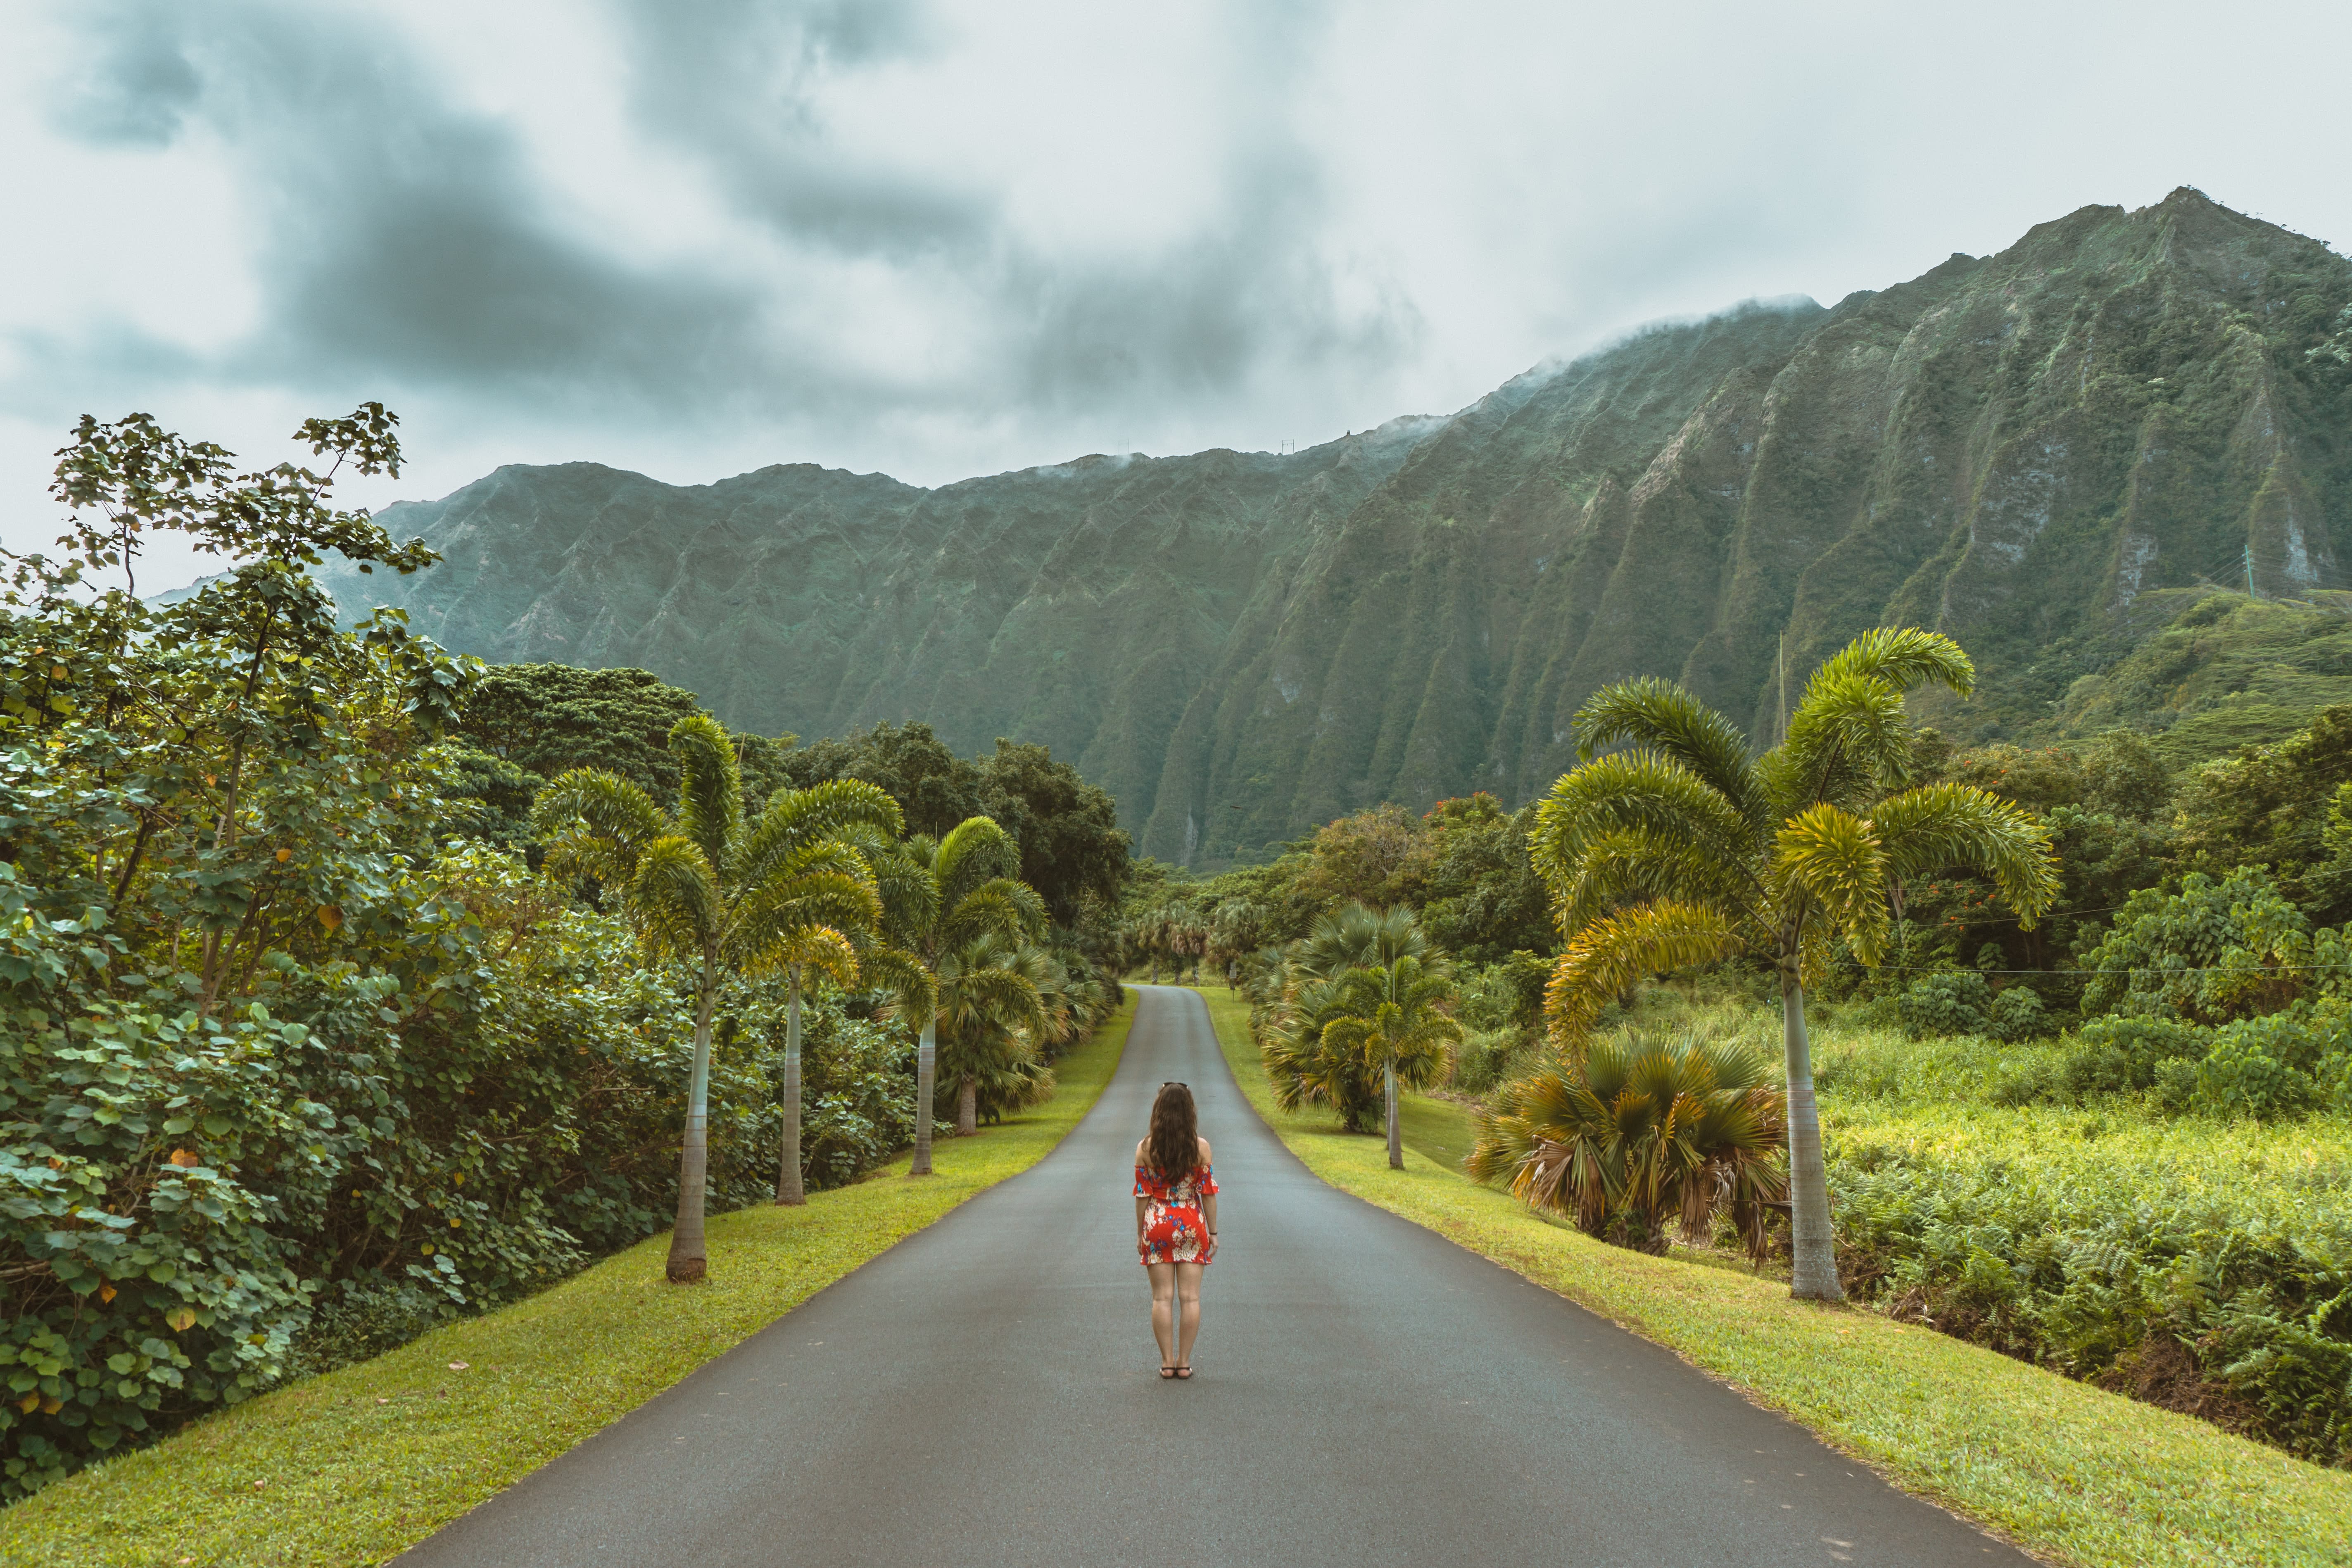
(987, 1393)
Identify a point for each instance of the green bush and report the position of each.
(2118, 1053)
(1962, 1002)
(2072, 1239)
(1946, 1002)
(2213, 952)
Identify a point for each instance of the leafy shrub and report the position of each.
(1962, 1002)
(2213, 952)
(2074, 1241)
(858, 1093)
(1946, 1002)
(1490, 1056)
(2017, 1014)
(2123, 1052)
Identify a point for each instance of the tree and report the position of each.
(1636, 1131)
(1071, 846)
(1065, 831)
(708, 889)
(844, 810)
(1396, 1019)
(549, 719)
(991, 1022)
(941, 894)
(1685, 849)
(1306, 1064)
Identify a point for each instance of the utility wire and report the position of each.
(2140, 969)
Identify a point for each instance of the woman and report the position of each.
(1175, 1224)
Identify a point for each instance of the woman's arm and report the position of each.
(1142, 1204)
(1208, 1200)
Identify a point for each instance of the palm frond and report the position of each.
(975, 851)
(1608, 955)
(1644, 790)
(1849, 737)
(710, 787)
(1641, 865)
(596, 823)
(675, 898)
(769, 917)
(821, 950)
(1849, 729)
(1904, 657)
(1660, 716)
(1835, 859)
(915, 990)
(1939, 826)
(1001, 906)
(848, 811)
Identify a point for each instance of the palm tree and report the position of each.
(1396, 1017)
(1355, 936)
(854, 812)
(990, 1023)
(1304, 1066)
(708, 889)
(1634, 1131)
(1685, 848)
(942, 893)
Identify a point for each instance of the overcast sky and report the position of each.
(942, 237)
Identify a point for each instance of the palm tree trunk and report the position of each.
(926, 1065)
(687, 1260)
(1396, 1141)
(968, 1108)
(1812, 1243)
(788, 1164)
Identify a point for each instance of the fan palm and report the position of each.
(706, 888)
(1356, 937)
(990, 1022)
(942, 894)
(1396, 1020)
(1302, 1066)
(1634, 1131)
(1686, 849)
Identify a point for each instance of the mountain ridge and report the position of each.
(1239, 645)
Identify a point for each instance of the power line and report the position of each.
(2140, 969)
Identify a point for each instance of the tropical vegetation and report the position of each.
(325, 1024)
(2182, 995)
(1686, 849)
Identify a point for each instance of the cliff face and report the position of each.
(2016, 449)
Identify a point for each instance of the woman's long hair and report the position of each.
(1174, 1146)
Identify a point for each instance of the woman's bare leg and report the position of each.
(1188, 1294)
(1163, 1302)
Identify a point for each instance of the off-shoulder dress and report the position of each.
(1173, 1231)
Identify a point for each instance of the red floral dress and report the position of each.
(1173, 1231)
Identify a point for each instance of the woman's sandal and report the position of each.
(1167, 1371)
(1183, 1374)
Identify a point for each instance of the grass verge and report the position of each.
(356, 1465)
(2068, 1471)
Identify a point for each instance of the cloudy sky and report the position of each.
(941, 237)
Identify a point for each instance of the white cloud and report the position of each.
(941, 238)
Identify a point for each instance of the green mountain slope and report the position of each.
(2027, 450)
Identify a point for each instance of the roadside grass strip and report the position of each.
(356, 1465)
(2071, 1473)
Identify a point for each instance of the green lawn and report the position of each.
(356, 1465)
(2070, 1472)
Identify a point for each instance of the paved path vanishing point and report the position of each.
(1369, 1394)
